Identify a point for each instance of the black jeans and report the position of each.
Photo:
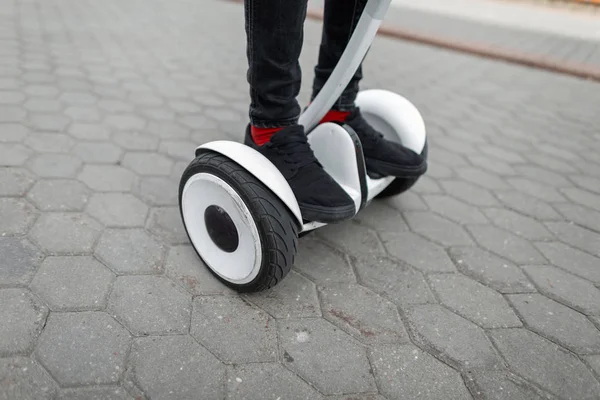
(275, 34)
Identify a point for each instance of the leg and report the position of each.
(274, 32)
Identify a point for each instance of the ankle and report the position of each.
(261, 136)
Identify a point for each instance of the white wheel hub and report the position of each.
(209, 205)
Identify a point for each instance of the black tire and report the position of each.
(276, 227)
(401, 185)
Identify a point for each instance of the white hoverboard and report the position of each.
(239, 212)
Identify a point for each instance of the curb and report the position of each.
(576, 70)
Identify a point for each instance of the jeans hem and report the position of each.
(262, 123)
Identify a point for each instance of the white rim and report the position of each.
(203, 190)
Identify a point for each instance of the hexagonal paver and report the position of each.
(179, 149)
(186, 269)
(70, 233)
(455, 210)
(72, 283)
(130, 251)
(352, 239)
(19, 261)
(382, 218)
(421, 253)
(580, 215)
(12, 155)
(521, 225)
(557, 322)
(148, 163)
(22, 318)
(12, 114)
(43, 105)
(306, 343)
(406, 372)
(462, 344)
(150, 305)
(186, 369)
(474, 301)
(83, 348)
(499, 385)
(24, 378)
(83, 113)
(594, 362)
(94, 393)
(107, 178)
(166, 223)
(15, 181)
(78, 98)
(527, 205)
(98, 152)
(13, 132)
(322, 263)
(141, 141)
(255, 381)
(169, 130)
(41, 91)
(576, 236)
(563, 374)
(89, 131)
(566, 288)
(55, 165)
(506, 244)
(16, 215)
(125, 122)
(469, 193)
(396, 281)
(233, 330)
(363, 314)
(117, 209)
(437, 229)
(157, 191)
(49, 121)
(572, 260)
(294, 297)
(11, 97)
(59, 195)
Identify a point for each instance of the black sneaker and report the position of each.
(384, 157)
(319, 196)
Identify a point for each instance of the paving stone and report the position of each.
(352, 239)
(420, 253)
(49, 142)
(49, 121)
(125, 122)
(78, 98)
(396, 281)
(233, 330)
(321, 263)
(98, 152)
(58, 195)
(411, 201)
(185, 369)
(506, 244)
(83, 114)
(43, 105)
(24, 378)
(22, 319)
(65, 232)
(264, 381)
(500, 385)
(83, 348)
(186, 269)
(454, 209)
(107, 178)
(16, 215)
(558, 323)
(115, 106)
(140, 141)
(501, 154)
(491, 270)
(166, 223)
(594, 362)
(72, 283)
(92, 393)
(572, 260)
(355, 396)
(179, 149)
(15, 181)
(12, 133)
(169, 130)
(583, 197)
(492, 165)
(157, 191)
(469, 193)
(294, 297)
(462, 345)
(587, 182)
(437, 229)
(19, 261)
(41, 91)
(131, 251)
(474, 301)
(152, 164)
(12, 114)
(121, 210)
(55, 165)
(13, 155)
(150, 305)
(536, 189)
(306, 343)
(362, 314)
(546, 364)
(382, 218)
(406, 372)
(576, 236)
(580, 215)
(565, 288)
(521, 225)
(89, 131)
(482, 178)
(11, 97)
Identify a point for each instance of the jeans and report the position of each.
(274, 37)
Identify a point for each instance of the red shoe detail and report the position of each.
(262, 135)
(335, 116)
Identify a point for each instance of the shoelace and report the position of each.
(295, 151)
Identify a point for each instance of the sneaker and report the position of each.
(384, 157)
(320, 197)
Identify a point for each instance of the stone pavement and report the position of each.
(482, 282)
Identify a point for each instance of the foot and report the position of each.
(319, 196)
(382, 157)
